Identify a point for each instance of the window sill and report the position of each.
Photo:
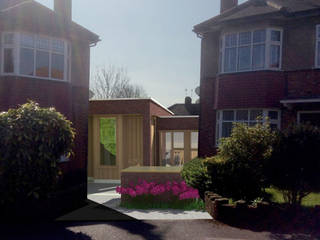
(33, 77)
(251, 71)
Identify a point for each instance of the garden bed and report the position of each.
(263, 216)
(142, 194)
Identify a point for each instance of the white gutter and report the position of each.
(312, 100)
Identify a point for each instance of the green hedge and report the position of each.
(237, 171)
(195, 175)
(32, 140)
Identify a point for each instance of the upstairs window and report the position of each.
(251, 51)
(35, 56)
(318, 46)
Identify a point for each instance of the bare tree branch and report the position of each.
(112, 82)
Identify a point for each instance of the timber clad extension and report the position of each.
(258, 58)
(137, 132)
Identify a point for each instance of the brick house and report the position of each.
(259, 58)
(45, 57)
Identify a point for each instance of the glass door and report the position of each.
(108, 142)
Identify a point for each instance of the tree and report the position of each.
(32, 140)
(294, 166)
(238, 169)
(112, 82)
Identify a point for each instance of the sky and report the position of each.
(152, 39)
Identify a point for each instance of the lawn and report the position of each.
(311, 200)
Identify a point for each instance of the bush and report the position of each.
(195, 175)
(295, 166)
(238, 169)
(32, 140)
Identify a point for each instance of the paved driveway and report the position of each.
(105, 194)
(98, 222)
(140, 230)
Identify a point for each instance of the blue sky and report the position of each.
(153, 39)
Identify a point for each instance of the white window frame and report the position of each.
(302, 112)
(317, 63)
(17, 48)
(265, 113)
(267, 43)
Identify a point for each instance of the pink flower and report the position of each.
(191, 194)
(140, 190)
(132, 193)
(175, 190)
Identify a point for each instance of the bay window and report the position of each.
(250, 117)
(35, 56)
(251, 51)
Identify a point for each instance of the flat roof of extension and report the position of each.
(134, 100)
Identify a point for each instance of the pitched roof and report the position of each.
(253, 8)
(26, 13)
(179, 109)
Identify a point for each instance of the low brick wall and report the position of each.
(220, 209)
(160, 175)
(150, 174)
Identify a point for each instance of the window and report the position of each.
(36, 56)
(251, 50)
(226, 118)
(178, 147)
(8, 63)
(194, 144)
(318, 46)
(108, 142)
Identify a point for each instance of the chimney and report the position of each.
(227, 4)
(63, 8)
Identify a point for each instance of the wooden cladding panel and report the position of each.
(90, 147)
(132, 141)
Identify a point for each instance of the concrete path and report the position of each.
(106, 195)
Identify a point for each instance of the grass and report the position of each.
(186, 205)
(311, 200)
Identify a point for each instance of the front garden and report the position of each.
(256, 165)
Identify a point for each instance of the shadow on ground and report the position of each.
(81, 224)
(101, 187)
(300, 224)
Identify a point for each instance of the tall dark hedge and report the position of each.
(294, 167)
(32, 140)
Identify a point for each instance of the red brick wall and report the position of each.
(263, 89)
(180, 123)
(70, 101)
(250, 90)
(304, 83)
(18, 90)
(207, 120)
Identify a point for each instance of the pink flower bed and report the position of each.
(178, 190)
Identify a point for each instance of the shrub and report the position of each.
(238, 169)
(294, 166)
(195, 175)
(32, 140)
